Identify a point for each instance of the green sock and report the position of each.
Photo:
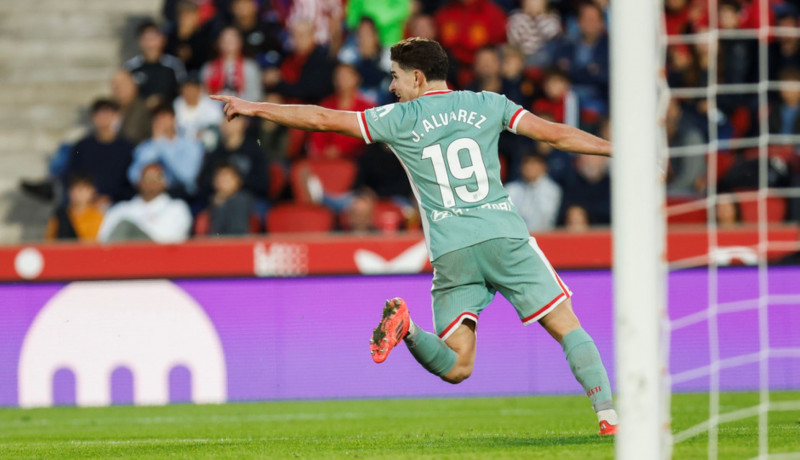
(584, 361)
(430, 351)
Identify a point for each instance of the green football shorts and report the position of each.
(466, 280)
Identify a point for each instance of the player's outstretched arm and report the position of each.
(562, 137)
(306, 117)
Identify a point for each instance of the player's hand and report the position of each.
(235, 106)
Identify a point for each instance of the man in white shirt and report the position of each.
(197, 116)
(537, 197)
(150, 215)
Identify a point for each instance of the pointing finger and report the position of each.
(218, 97)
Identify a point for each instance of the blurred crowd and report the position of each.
(161, 164)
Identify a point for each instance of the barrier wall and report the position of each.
(216, 340)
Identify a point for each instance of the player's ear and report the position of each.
(419, 77)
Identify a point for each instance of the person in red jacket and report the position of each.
(346, 97)
(465, 26)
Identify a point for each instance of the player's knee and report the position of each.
(458, 374)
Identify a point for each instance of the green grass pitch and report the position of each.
(560, 427)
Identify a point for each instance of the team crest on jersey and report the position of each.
(382, 111)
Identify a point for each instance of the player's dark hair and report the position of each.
(103, 104)
(421, 54)
(146, 25)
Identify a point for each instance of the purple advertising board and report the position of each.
(97, 343)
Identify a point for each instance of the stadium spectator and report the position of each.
(325, 18)
(687, 173)
(586, 59)
(489, 76)
(272, 137)
(738, 57)
(307, 72)
(677, 16)
(158, 75)
(465, 26)
(80, 217)
(363, 50)
(103, 155)
(559, 163)
(424, 26)
(379, 170)
(514, 78)
(239, 150)
(197, 116)
(576, 219)
(590, 189)
(559, 102)
(345, 97)
(359, 215)
(189, 39)
(486, 71)
(209, 10)
(180, 157)
(388, 16)
(784, 50)
(150, 215)
(536, 196)
(135, 123)
(727, 211)
(231, 207)
(261, 33)
(231, 73)
(784, 114)
(531, 28)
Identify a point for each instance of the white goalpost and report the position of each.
(638, 218)
(639, 95)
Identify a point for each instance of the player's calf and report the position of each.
(428, 349)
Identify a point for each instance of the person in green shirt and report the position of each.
(389, 15)
(477, 242)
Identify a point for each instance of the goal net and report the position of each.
(704, 139)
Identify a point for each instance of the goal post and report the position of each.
(638, 217)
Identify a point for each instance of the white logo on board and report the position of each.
(412, 260)
(92, 328)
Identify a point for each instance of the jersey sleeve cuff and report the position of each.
(362, 123)
(512, 125)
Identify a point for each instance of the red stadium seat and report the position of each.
(298, 218)
(776, 210)
(388, 216)
(202, 223)
(336, 176)
(697, 216)
(277, 180)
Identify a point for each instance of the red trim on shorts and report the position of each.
(366, 128)
(558, 298)
(457, 321)
(513, 118)
(561, 283)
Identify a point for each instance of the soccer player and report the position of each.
(477, 242)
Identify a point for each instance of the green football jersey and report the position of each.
(447, 143)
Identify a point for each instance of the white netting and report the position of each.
(765, 304)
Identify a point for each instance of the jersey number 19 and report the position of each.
(459, 171)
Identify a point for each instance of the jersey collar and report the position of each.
(437, 91)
